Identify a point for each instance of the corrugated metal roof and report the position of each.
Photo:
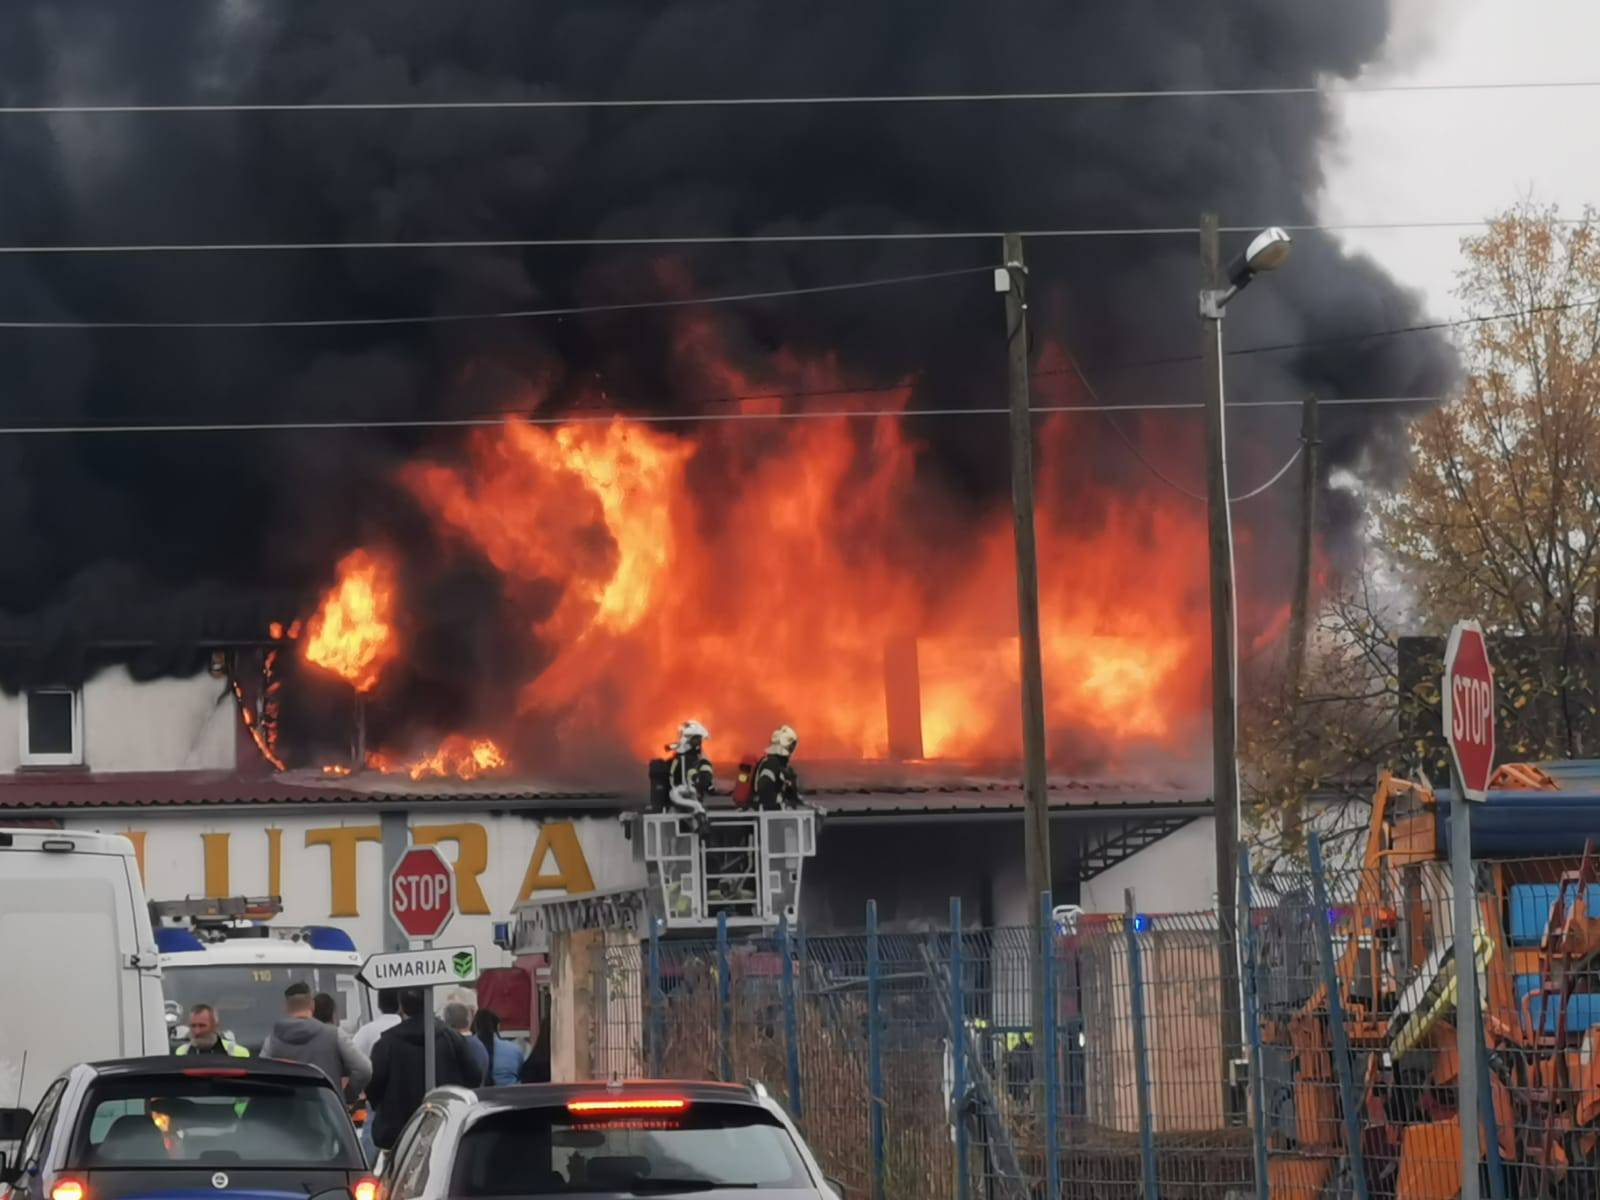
(35, 791)
(892, 789)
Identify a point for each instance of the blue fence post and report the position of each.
(658, 1001)
(1252, 1018)
(1341, 1039)
(874, 1052)
(1141, 1061)
(1051, 1055)
(1491, 1125)
(791, 1020)
(725, 997)
(958, 1051)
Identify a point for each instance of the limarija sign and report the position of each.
(332, 871)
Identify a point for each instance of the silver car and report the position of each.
(633, 1138)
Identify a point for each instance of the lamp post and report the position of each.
(1266, 251)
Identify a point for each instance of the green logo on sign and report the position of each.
(465, 965)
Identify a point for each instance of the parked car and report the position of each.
(243, 1129)
(620, 1139)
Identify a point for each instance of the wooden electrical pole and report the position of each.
(1036, 811)
(1224, 708)
(1299, 605)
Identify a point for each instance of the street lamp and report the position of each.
(1266, 251)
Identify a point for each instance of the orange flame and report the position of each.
(756, 575)
(352, 634)
(457, 757)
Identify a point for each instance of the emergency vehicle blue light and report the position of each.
(326, 937)
(1141, 922)
(177, 941)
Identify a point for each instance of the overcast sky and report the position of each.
(1466, 155)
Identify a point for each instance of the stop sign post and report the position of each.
(1467, 692)
(422, 899)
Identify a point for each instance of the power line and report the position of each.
(506, 418)
(513, 314)
(1336, 340)
(558, 104)
(753, 239)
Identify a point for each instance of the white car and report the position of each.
(623, 1139)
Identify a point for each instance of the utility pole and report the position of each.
(1224, 708)
(1013, 279)
(1300, 603)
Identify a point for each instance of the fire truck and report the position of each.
(228, 953)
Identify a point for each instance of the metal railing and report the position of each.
(909, 1059)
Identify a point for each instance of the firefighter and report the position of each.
(776, 785)
(683, 780)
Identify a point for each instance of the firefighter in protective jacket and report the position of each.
(776, 784)
(683, 780)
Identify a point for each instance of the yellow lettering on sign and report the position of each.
(558, 838)
(274, 861)
(341, 842)
(472, 859)
(138, 848)
(216, 860)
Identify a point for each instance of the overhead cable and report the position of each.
(730, 239)
(665, 102)
(511, 314)
(657, 418)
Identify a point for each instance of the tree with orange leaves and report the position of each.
(1499, 519)
(1500, 516)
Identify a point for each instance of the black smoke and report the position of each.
(158, 537)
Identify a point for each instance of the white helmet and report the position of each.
(784, 741)
(690, 735)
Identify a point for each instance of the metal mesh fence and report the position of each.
(1391, 935)
(914, 1067)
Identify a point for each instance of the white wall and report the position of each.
(1177, 874)
(199, 854)
(161, 725)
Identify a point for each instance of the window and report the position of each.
(249, 997)
(52, 727)
(547, 1152)
(411, 1172)
(33, 1141)
(164, 1121)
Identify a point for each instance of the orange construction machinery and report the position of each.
(1538, 952)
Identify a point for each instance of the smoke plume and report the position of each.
(170, 538)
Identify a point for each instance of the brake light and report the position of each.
(67, 1189)
(636, 1104)
(366, 1188)
(215, 1072)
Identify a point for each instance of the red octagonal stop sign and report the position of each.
(422, 892)
(1469, 708)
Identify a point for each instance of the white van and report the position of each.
(80, 978)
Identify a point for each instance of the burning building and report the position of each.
(783, 510)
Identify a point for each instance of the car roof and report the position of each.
(175, 1064)
(536, 1095)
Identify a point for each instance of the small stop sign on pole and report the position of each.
(422, 892)
(1469, 708)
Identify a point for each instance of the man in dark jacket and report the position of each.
(300, 1037)
(398, 1068)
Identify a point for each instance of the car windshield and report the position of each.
(549, 1152)
(210, 1119)
(249, 997)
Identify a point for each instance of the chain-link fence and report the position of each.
(1098, 1060)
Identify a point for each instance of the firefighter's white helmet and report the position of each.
(690, 735)
(784, 740)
